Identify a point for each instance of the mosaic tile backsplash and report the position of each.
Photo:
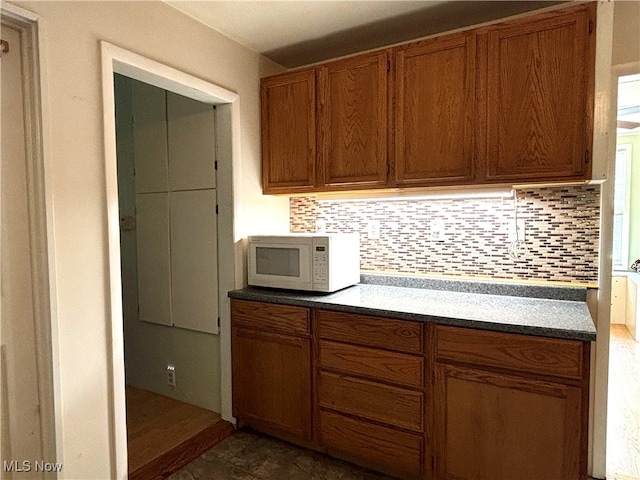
(469, 237)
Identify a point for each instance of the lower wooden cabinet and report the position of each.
(509, 406)
(271, 371)
(416, 400)
(370, 390)
(272, 381)
(502, 427)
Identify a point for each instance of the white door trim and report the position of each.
(604, 141)
(600, 373)
(40, 228)
(119, 60)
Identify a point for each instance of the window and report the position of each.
(625, 220)
(621, 204)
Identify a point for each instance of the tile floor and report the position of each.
(246, 455)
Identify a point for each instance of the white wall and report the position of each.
(626, 28)
(72, 97)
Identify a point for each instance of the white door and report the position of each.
(153, 252)
(150, 138)
(177, 253)
(175, 177)
(194, 260)
(191, 142)
(21, 421)
(174, 141)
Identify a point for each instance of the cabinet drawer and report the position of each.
(399, 335)
(380, 365)
(374, 401)
(546, 356)
(378, 446)
(271, 317)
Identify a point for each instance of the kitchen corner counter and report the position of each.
(556, 318)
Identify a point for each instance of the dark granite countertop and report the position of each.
(512, 313)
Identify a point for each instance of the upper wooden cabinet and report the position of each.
(353, 122)
(289, 132)
(332, 135)
(435, 106)
(540, 97)
(509, 103)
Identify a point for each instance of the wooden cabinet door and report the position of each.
(354, 122)
(540, 97)
(435, 107)
(289, 132)
(499, 426)
(272, 381)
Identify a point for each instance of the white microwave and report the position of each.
(313, 262)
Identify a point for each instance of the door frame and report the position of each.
(119, 60)
(40, 219)
(606, 272)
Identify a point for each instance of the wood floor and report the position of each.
(164, 434)
(623, 417)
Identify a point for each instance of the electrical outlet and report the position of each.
(436, 229)
(373, 229)
(171, 375)
(321, 226)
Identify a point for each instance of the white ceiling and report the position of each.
(299, 32)
(268, 25)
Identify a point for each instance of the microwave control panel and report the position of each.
(320, 264)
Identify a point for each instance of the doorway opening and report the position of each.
(623, 416)
(127, 64)
(167, 193)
